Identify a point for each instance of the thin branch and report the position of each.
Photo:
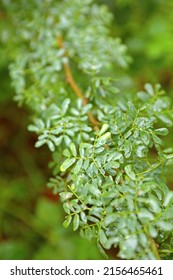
(153, 244)
(70, 80)
(154, 248)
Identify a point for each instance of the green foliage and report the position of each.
(110, 175)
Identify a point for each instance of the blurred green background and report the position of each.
(30, 215)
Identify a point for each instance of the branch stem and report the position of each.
(152, 244)
(70, 80)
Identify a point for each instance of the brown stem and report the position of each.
(152, 244)
(70, 80)
(155, 249)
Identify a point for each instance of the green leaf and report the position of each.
(145, 214)
(99, 150)
(81, 152)
(86, 164)
(78, 166)
(110, 218)
(73, 149)
(168, 213)
(101, 250)
(76, 222)
(57, 130)
(103, 139)
(114, 156)
(86, 145)
(67, 140)
(127, 149)
(166, 226)
(130, 244)
(94, 190)
(90, 170)
(168, 199)
(102, 237)
(96, 211)
(87, 233)
(143, 96)
(83, 217)
(156, 139)
(67, 221)
(161, 131)
(168, 150)
(51, 146)
(149, 89)
(65, 195)
(143, 239)
(104, 128)
(58, 140)
(39, 143)
(153, 231)
(70, 132)
(145, 137)
(85, 136)
(140, 151)
(67, 163)
(65, 105)
(105, 136)
(92, 219)
(132, 109)
(66, 207)
(129, 171)
(128, 134)
(40, 124)
(168, 156)
(153, 204)
(166, 119)
(33, 128)
(75, 112)
(118, 177)
(67, 153)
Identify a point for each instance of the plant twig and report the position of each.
(74, 86)
(152, 244)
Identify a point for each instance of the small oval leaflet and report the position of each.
(129, 171)
(161, 131)
(67, 221)
(67, 163)
(39, 143)
(65, 195)
(78, 166)
(104, 128)
(51, 146)
(76, 222)
(73, 149)
(168, 198)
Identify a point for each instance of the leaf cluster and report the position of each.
(110, 177)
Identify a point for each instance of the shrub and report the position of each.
(109, 160)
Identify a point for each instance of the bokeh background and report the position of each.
(30, 215)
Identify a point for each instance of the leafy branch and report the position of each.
(72, 83)
(109, 159)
